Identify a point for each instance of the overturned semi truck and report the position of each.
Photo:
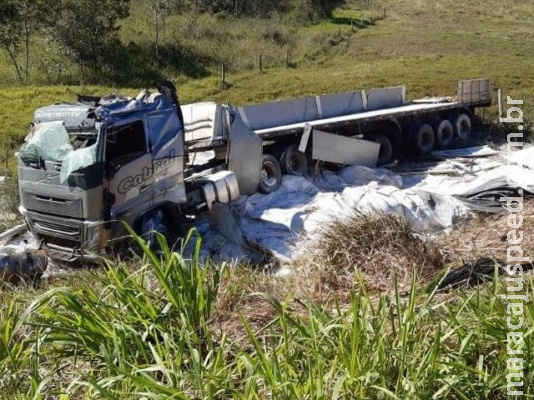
(90, 167)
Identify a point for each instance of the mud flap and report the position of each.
(244, 155)
(228, 223)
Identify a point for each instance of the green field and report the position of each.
(173, 328)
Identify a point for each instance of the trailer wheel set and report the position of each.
(293, 161)
(463, 126)
(285, 159)
(424, 137)
(440, 133)
(444, 132)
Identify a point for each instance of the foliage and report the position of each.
(88, 30)
(305, 10)
(19, 21)
(314, 10)
(10, 32)
(9, 202)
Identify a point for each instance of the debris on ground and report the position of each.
(478, 151)
(475, 273)
(21, 264)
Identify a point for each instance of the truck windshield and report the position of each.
(50, 141)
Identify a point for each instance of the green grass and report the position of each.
(155, 332)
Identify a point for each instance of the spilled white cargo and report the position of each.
(284, 221)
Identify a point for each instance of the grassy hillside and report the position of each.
(427, 46)
(171, 328)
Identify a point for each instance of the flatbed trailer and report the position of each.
(381, 115)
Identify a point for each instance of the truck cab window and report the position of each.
(125, 143)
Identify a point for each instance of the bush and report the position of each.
(313, 10)
(252, 8)
(379, 247)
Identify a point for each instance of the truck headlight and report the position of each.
(95, 237)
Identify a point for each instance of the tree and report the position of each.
(35, 15)
(87, 30)
(19, 20)
(10, 32)
(159, 9)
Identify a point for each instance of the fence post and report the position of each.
(223, 76)
(352, 25)
(261, 62)
(499, 100)
(287, 59)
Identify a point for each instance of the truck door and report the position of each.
(129, 171)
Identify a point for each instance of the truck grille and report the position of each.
(58, 228)
(57, 231)
(52, 205)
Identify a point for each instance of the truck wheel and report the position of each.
(153, 222)
(271, 174)
(293, 162)
(386, 149)
(463, 126)
(424, 138)
(444, 133)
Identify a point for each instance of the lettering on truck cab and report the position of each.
(158, 167)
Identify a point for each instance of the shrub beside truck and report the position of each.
(90, 166)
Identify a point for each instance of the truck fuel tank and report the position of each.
(221, 187)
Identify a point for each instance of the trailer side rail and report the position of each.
(369, 116)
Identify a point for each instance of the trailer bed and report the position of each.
(367, 116)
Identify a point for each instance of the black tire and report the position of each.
(424, 138)
(463, 126)
(444, 133)
(385, 154)
(271, 174)
(293, 162)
